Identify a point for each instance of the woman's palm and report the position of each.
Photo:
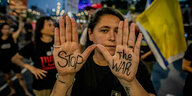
(125, 62)
(67, 56)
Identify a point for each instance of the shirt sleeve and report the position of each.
(27, 50)
(188, 53)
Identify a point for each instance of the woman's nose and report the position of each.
(112, 36)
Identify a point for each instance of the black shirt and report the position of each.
(42, 57)
(28, 35)
(188, 53)
(94, 80)
(188, 56)
(188, 84)
(8, 48)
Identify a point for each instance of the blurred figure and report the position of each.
(80, 27)
(39, 51)
(147, 56)
(28, 30)
(187, 66)
(12, 23)
(90, 10)
(8, 47)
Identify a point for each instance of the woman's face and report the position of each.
(105, 32)
(5, 30)
(48, 28)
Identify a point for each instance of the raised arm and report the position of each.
(67, 56)
(124, 63)
(16, 34)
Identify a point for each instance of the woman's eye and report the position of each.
(104, 31)
(116, 31)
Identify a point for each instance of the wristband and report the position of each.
(59, 80)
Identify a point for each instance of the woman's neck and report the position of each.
(46, 39)
(99, 59)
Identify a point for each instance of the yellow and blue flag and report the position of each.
(163, 29)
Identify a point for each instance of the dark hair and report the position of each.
(95, 18)
(1, 27)
(39, 27)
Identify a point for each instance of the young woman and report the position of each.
(108, 71)
(8, 47)
(40, 52)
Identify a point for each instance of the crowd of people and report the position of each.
(104, 60)
(9, 46)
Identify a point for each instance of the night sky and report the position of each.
(43, 4)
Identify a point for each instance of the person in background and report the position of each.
(12, 23)
(28, 30)
(109, 70)
(187, 66)
(8, 47)
(40, 51)
(83, 37)
(147, 57)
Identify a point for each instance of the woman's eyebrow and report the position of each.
(104, 27)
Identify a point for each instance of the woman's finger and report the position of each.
(88, 51)
(62, 29)
(131, 42)
(74, 31)
(138, 45)
(56, 37)
(125, 32)
(119, 34)
(39, 75)
(105, 52)
(43, 74)
(68, 29)
(36, 76)
(43, 71)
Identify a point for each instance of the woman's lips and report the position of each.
(110, 47)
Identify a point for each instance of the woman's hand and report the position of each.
(125, 62)
(67, 56)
